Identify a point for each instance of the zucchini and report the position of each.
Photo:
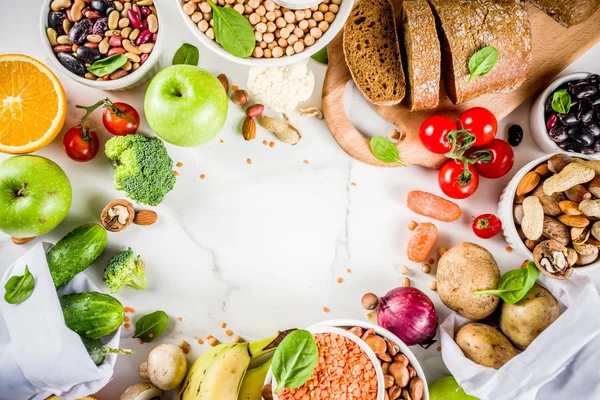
(91, 314)
(75, 252)
(97, 351)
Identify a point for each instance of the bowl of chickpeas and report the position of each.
(283, 35)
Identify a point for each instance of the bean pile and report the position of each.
(278, 31)
(82, 32)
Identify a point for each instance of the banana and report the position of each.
(253, 382)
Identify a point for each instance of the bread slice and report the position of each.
(372, 52)
(422, 55)
(466, 26)
(568, 12)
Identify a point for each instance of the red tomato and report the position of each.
(78, 148)
(481, 123)
(433, 132)
(487, 226)
(502, 160)
(125, 120)
(454, 184)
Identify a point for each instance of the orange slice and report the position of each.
(33, 104)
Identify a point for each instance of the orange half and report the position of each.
(33, 104)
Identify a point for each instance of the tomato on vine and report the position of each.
(481, 123)
(493, 160)
(80, 144)
(487, 226)
(458, 179)
(120, 119)
(433, 133)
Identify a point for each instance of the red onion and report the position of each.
(409, 314)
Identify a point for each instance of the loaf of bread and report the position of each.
(422, 55)
(568, 12)
(372, 52)
(466, 26)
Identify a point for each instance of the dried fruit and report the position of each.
(249, 129)
(145, 217)
(551, 258)
(432, 206)
(422, 241)
(528, 183)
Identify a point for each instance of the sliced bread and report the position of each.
(466, 26)
(568, 12)
(423, 55)
(372, 52)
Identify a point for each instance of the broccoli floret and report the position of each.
(144, 168)
(124, 269)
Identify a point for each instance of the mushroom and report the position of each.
(142, 391)
(117, 215)
(552, 259)
(165, 367)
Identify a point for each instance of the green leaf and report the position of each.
(321, 56)
(385, 150)
(295, 360)
(19, 288)
(482, 62)
(151, 326)
(186, 54)
(233, 31)
(561, 101)
(107, 65)
(515, 284)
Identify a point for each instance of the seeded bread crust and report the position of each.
(466, 26)
(372, 52)
(423, 55)
(568, 12)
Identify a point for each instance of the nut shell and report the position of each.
(552, 259)
(112, 224)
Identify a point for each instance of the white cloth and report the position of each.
(561, 363)
(39, 355)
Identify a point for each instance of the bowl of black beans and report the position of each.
(566, 116)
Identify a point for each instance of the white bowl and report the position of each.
(537, 120)
(326, 328)
(136, 78)
(334, 28)
(505, 212)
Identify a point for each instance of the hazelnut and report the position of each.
(370, 301)
(239, 97)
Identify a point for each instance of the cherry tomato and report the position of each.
(121, 122)
(487, 226)
(501, 162)
(433, 132)
(456, 185)
(78, 148)
(481, 122)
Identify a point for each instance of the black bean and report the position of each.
(595, 99)
(586, 111)
(80, 30)
(100, 26)
(88, 55)
(593, 129)
(571, 145)
(71, 63)
(568, 119)
(581, 135)
(55, 21)
(103, 7)
(594, 79)
(515, 135)
(558, 133)
(583, 90)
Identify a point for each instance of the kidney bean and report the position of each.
(135, 22)
(571, 145)
(91, 14)
(558, 133)
(143, 58)
(100, 26)
(144, 37)
(116, 50)
(155, 37)
(118, 74)
(55, 21)
(593, 129)
(103, 7)
(88, 55)
(515, 135)
(145, 11)
(90, 45)
(568, 119)
(116, 41)
(581, 135)
(551, 121)
(586, 111)
(62, 48)
(582, 90)
(71, 63)
(137, 10)
(152, 22)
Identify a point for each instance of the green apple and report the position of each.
(185, 105)
(447, 389)
(35, 196)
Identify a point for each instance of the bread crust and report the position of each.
(568, 12)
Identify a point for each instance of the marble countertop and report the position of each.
(261, 246)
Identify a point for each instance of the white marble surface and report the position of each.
(260, 246)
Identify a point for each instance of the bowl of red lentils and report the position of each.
(105, 44)
(282, 35)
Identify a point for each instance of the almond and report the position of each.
(528, 183)
(574, 221)
(249, 128)
(570, 207)
(543, 170)
(224, 81)
(21, 241)
(145, 217)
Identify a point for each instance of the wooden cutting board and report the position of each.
(554, 48)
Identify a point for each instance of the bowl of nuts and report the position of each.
(550, 213)
(105, 44)
(262, 33)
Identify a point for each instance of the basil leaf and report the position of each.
(482, 62)
(561, 101)
(515, 284)
(19, 288)
(233, 31)
(295, 360)
(107, 65)
(321, 56)
(187, 54)
(151, 326)
(384, 150)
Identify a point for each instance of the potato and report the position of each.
(523, 321)
(484, 345)
(462, 270)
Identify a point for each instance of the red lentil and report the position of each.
(179, 319)
(129, 310)
(179, 164)
(175, 173)
(326, 309)
(127, 325)
(353, 183)
(224, 325)
(200, 341)
(340, 280)
(249, 161)
(202, 176)
(229, 332)
(306, 161)
(271, 144)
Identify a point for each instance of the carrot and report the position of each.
(421, 242)
(432, 206)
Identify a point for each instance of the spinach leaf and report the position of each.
(233, 31)
(19, 288)
(108, 65)
(515, 284)
(321, 56)
(385, 150)
(151, 326)
(186, 54)
(295, 360)
(561, 101)
(482, 62)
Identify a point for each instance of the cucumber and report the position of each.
(75, 252)
(97, 351)
(91, 314)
